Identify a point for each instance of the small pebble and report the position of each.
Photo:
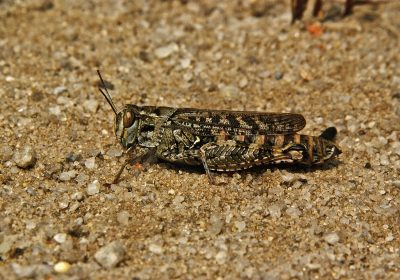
(278, 75)
(25, 157)
(77, 196)
(185, 63)
(178, 200)
(384, 160)
(7, 243)
(230, 91)
(30, 225)
(60, 237)
(71, 157)
(243, 82)
(293, 212)
(389, 237)
(62, 267)
(155, 248)
(216, 225)
(93, 188)
(31, 191)
(287, 177)
(123, 218)
(91, 105)
(114, 152)
(9, 79)
(55, 110)
(220, 257)
(275, 211)
(59, 90)
(23, 271)
(332, 238)
(110, 255)
(240, 225)
(63, 203)
(81, 178)
(90, 163)
(165, 51)
(6, 153)
(67, 175)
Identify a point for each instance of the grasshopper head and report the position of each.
(126, 120)
(127, 125)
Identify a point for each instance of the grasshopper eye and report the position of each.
(128, 119)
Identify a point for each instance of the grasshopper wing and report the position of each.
(216, 122)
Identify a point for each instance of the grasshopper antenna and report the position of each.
(105, 93)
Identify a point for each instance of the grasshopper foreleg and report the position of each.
(144, 155)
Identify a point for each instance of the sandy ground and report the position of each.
(59, 219)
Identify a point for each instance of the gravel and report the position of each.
(335, 221)
(110, 255)
(62, 267)
(25, 157)
(93, 188)
(332, 238)
(166, 51)
(6, 153)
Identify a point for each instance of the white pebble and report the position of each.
(243, 82)
(60, 237)
(59, 90)
(26, 157)
(62, 267)
(384, 160)
(55, 110)
(275, 211)
(332, 238)
(110, 255)
(91, 105)
(240, 225)
(185, 63)
(287, 177)
(30, 224)
(165, 51)
(123, 218)
(90, 163)
(178, 200)
(93, 188)
(9, 78)
(77, 196)
(155, 248)
(67, 175)
(220, 257)
(114, 152)
(389, 237)
(293, 212)
(230, 91)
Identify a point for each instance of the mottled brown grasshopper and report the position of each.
(218, 140)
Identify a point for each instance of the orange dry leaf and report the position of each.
(315, 29)
(137, 165)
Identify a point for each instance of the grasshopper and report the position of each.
(218, 140)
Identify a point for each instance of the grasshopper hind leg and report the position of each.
(232, 156)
